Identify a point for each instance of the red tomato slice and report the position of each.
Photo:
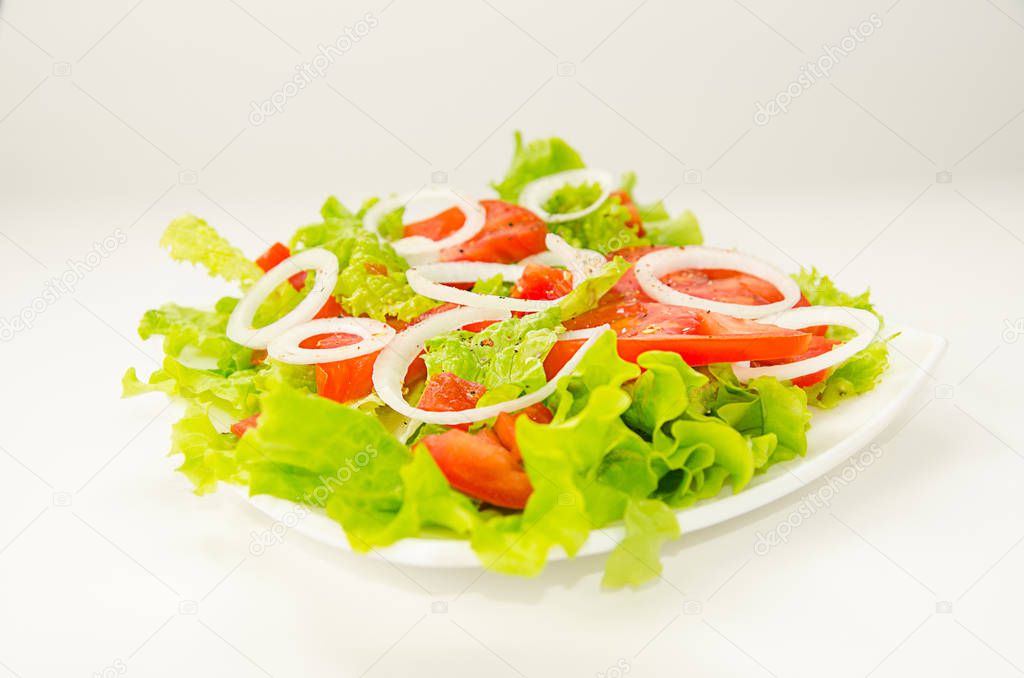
(542, 282)
(274, 255)
(477, 465)
(505, 426)
(438, 226)
(699, 337)
(818, 346)
(731, 287)
(510, 233)
(240, 427)
(447, 392)
(347, 380)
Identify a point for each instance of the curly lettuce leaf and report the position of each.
(572, 198)
(191, 239)
(532, 161)
(510, 352)
(604, 230)
(586, 296)
(235, 394)
(197, 334)
(372, 279)
(635, 560)
(209, 456)
(860, 373)
(680, 231)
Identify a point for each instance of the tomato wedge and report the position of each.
(240, 427)
(447, 392)
(478, 465)
(438, 226)
(510, 233)
(819, 345)
(505, 426)
(347, 380)
(699, 337)
(277, 253)
(542, 282)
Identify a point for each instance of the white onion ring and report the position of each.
(427, 279)
(651, 267)
(325, 266)
(391, 366)
(864, 323)
(545, 258)
(581, 263)
(418, 249)
(287, 347)
(536, 193)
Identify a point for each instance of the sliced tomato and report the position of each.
(542, 282)
(347, 380)
(510, 233)
(240, 427)
(699, 337)
(438, 226)
(447, 392)
(478, 465)
(505, 426)
(274, 255)
(819, 345)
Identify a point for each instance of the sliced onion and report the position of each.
(581, 263)
(545, 258)
(650, 268)
(418, 249)
(287, 347)
(325, 266)
(427, 279)
(393, 363)
(536, 193)
(865, 324)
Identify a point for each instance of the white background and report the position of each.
(121, 114)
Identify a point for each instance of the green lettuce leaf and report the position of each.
(678, 232)
(860, 373)
(508, 352)
(235, 394)
(197, 333)
(209, 455)
(604, 229)
(587, 295)
(537, 159)
(372, 279)
(191, 239)
(635, 560)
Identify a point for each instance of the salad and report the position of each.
(515, 372)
